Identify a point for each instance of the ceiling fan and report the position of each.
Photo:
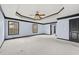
(38, 15)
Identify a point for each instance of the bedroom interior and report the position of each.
(39, 28)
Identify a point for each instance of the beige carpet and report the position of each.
(39, 45)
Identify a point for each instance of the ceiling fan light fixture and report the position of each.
(37, 17)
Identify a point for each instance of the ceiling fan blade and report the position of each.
(41, 14)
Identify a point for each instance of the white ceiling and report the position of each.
(47, 9)
(30, 9)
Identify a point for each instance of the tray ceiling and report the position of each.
(30, 10)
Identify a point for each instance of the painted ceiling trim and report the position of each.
(41, 18)
(55, 13)
(18, 14)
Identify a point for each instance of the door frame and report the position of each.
(50, 29)
(70, 33)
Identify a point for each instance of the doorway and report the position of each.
(74, 30)
(52, 29)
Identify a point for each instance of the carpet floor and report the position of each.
(39, 45)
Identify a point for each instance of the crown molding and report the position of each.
(54, 13)
(23, 16)
(69, 16)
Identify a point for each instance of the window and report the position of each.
(35, 28)
(13, 28)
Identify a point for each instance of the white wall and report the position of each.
(41, 28)
(47, 29)
(1, 28)
(62, 28)
(25, 29)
